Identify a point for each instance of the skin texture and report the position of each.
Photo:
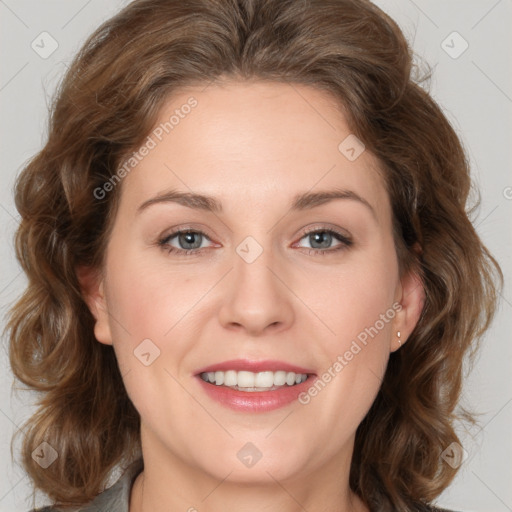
(253, 146)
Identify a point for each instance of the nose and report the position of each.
(257, 298)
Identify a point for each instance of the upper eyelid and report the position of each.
(337, 231)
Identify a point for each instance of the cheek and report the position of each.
(359, 308)
(361, 313)
(151, 300)
(149, 311)
(355, 295)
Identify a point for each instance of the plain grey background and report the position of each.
(468, 44)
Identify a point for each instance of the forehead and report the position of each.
(253, 143)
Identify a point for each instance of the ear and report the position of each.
(411, 296)
(92, 286)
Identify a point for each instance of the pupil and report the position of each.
(323, 238)
(187, 238)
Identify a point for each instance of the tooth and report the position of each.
(290, 378)
(245, 379)
(279, 378)
(230, 378)
(251, 381)
(264, 380)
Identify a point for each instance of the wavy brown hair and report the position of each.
(107, 104)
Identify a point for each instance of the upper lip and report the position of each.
(254, 366)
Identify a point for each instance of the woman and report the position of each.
(252, 278)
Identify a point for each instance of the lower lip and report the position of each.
(255, 401)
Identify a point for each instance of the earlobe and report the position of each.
(92, 288)
(412, 300)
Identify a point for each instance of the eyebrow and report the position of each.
(301, 202)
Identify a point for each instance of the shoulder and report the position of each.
(114, 499)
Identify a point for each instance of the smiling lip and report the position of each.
(254, 401)
(253, 366)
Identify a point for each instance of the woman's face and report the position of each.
(273, 279)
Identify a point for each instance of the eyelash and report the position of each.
(346, 242)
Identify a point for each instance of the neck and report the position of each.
(168, 483)
(276, 497)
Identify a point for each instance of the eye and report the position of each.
(188, 241)
(321, 240)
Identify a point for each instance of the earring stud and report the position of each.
(399, 341)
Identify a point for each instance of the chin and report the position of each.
(259, 461)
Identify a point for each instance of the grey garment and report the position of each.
(114, 499)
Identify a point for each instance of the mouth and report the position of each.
(251, 386)
(251, 382)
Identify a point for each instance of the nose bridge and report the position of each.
(256, 297)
